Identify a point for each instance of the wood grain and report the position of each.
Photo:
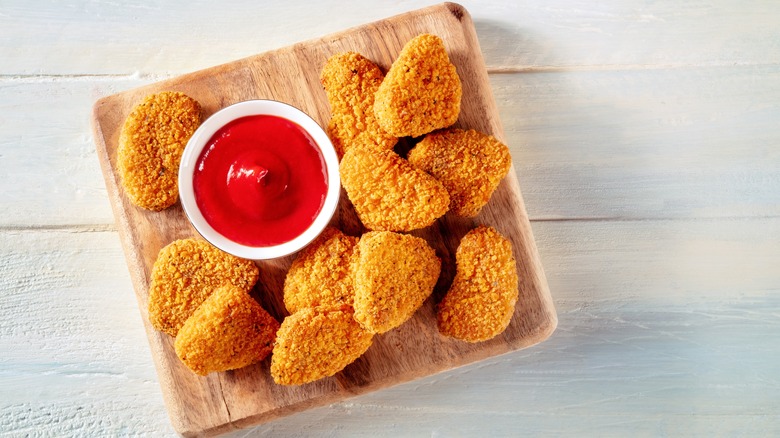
(222, 401)
(126, 36)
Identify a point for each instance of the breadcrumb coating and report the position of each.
(395, 274)
(314, 343)
(482, 298)
(229, 330)
(350, 81)
(390, 194)
(185, 273)
(421, 92)
(470, 164)
(322, 274)
(151, 143)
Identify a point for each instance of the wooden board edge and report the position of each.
(546, 300)
(133, 260)
(544, 332)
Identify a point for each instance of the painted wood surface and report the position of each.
(645, 138)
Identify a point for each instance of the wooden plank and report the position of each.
(123, 37)
(664, 325)
(236, 399)
(598, 144)
(70, 333)
(51, 175)
(688, 142)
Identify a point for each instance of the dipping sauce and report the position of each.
(260, 180)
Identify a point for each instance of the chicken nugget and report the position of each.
(317, 342)
(185, 273)
(481, 300)
(390, 194)
(350, 81)
(229, 330)
(470, 164)
(151, 143)
(421, 92)
(395, 274)
(322, 274)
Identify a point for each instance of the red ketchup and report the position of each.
(260, 181)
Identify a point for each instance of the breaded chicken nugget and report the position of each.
(388, 193)
(470, 164)
(322, 274)
(229, 330)
(421, 92)
(151, 143)
(316, 343)
(481, 300)
(185, 273)
(395, 274)
(350, 82)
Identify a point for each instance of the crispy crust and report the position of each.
(388, 193)
(316, 343)
(322, 274)
(151, 143)
(421, 92)
(482, 298)
(395, 274)
(470, 164)
(229, 330)
(185, 273)
(350, 81)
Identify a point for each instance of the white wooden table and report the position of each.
(646, 137)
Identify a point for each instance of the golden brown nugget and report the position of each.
(350, 81)
(316, 343)
(185, 273)
(388, 193)
(481, 300)
(322, 274)
(395, 274)
(470, 164)
(421, 92)
(230, 330)
(151, 143)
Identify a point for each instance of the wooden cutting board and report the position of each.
(224, 401)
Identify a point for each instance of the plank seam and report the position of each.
(496, 70)
(618, 67)
(78, 228)
(103, 228)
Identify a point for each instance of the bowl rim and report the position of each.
(206, 131)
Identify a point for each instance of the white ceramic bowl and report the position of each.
(202, 136)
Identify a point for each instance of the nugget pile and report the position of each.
(451, 170)
(200, 295)
(342, 290)
(185, 273)
(321, 336)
